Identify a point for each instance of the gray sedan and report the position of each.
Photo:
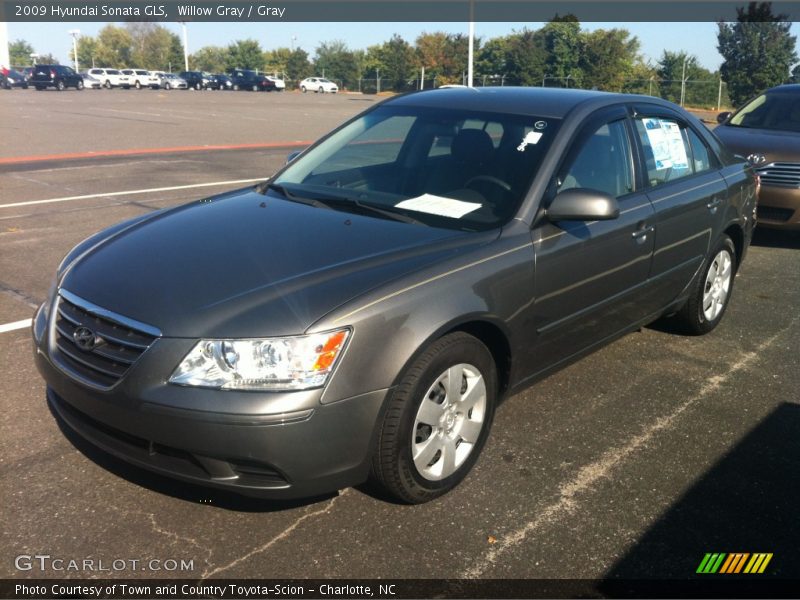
(362, 313)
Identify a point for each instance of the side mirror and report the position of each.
(292, 155)
(724, 116)
(582, 204)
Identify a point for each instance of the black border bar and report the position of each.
(708, 586)
(273, 11)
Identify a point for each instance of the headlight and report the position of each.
(288, 363)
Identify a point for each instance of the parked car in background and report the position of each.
(193, 79)
(766, 130)
(223, 81)
(57, 76)
(280, 84)
(111, 78)
(91, 82)
(170, 81)
(319, 85)
(210, 81)
(13, 79)
(245, 79)
(438, 252)
(139, 78)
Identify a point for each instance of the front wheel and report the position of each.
(198, 86)
(137, 85)
(167, 86)
(303, 89)
(79, 85)
(437, 420)
(711, 293)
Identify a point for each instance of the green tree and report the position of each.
(335, 60)
(19, 53)
(608, 58)
(671, 72)
(563, 45)
(757, 49)
(444, 55)
(275, 61)
(210, 58)
(154, 46)
(526, 57)
(114, 47)
(795, 74)
(491, 60)
(298, 66)
(396, 61)
(87, 50)
(245, 54)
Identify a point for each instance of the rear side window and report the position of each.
(602, 162)
(671, 150)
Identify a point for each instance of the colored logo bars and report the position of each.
(720, 562)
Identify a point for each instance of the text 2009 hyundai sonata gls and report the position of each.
(363, 311)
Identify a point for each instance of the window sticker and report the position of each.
(532, 137)
(666, 141)
(439, 205)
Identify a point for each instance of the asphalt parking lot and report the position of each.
(632, 463)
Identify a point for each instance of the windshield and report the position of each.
(777, 111)
(442, 167)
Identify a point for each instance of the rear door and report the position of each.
(590, 275)
(688, 194)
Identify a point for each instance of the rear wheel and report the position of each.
(60, 86)
(321, 90)
(303, 89)
(137, 85)
(107, 84)
(254, 87)
(167, 86)
(437, 420)
(711, 293)
(79, 85)
(198, 86)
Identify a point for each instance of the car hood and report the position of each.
(248, 265)
(776, 146)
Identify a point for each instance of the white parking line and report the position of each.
(131, 192)
(16, 325)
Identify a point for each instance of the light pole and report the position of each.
(686, 59)
(471, 49)
(293, 40)
(75, 33)
(185, 47)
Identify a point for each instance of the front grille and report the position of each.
(773, 213)
(117, 344)
(779, 174)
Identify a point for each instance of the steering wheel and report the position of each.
(489, 179)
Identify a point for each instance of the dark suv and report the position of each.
(57, 76)
(244, 79)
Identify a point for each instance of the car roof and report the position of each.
(535, 101)
(787, 88)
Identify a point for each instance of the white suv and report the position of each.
(140, 78)
(111, 78)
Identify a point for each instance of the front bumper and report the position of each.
(270, 445)
(778, 207)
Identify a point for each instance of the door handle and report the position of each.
(713, 204)
(640, 235)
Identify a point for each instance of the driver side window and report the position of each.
(603, 162)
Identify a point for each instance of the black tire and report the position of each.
(137, 85)
(167, 86)
(79, 85)
(254, 88)
(393, 466)
(39, 88)
(321, 90)
(198, 86)
(692, 318)
(303, 89)
(235, 87)
(60, 86)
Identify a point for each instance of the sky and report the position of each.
(697, 39)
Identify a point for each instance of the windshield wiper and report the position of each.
(396, 216)
(295, 198)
